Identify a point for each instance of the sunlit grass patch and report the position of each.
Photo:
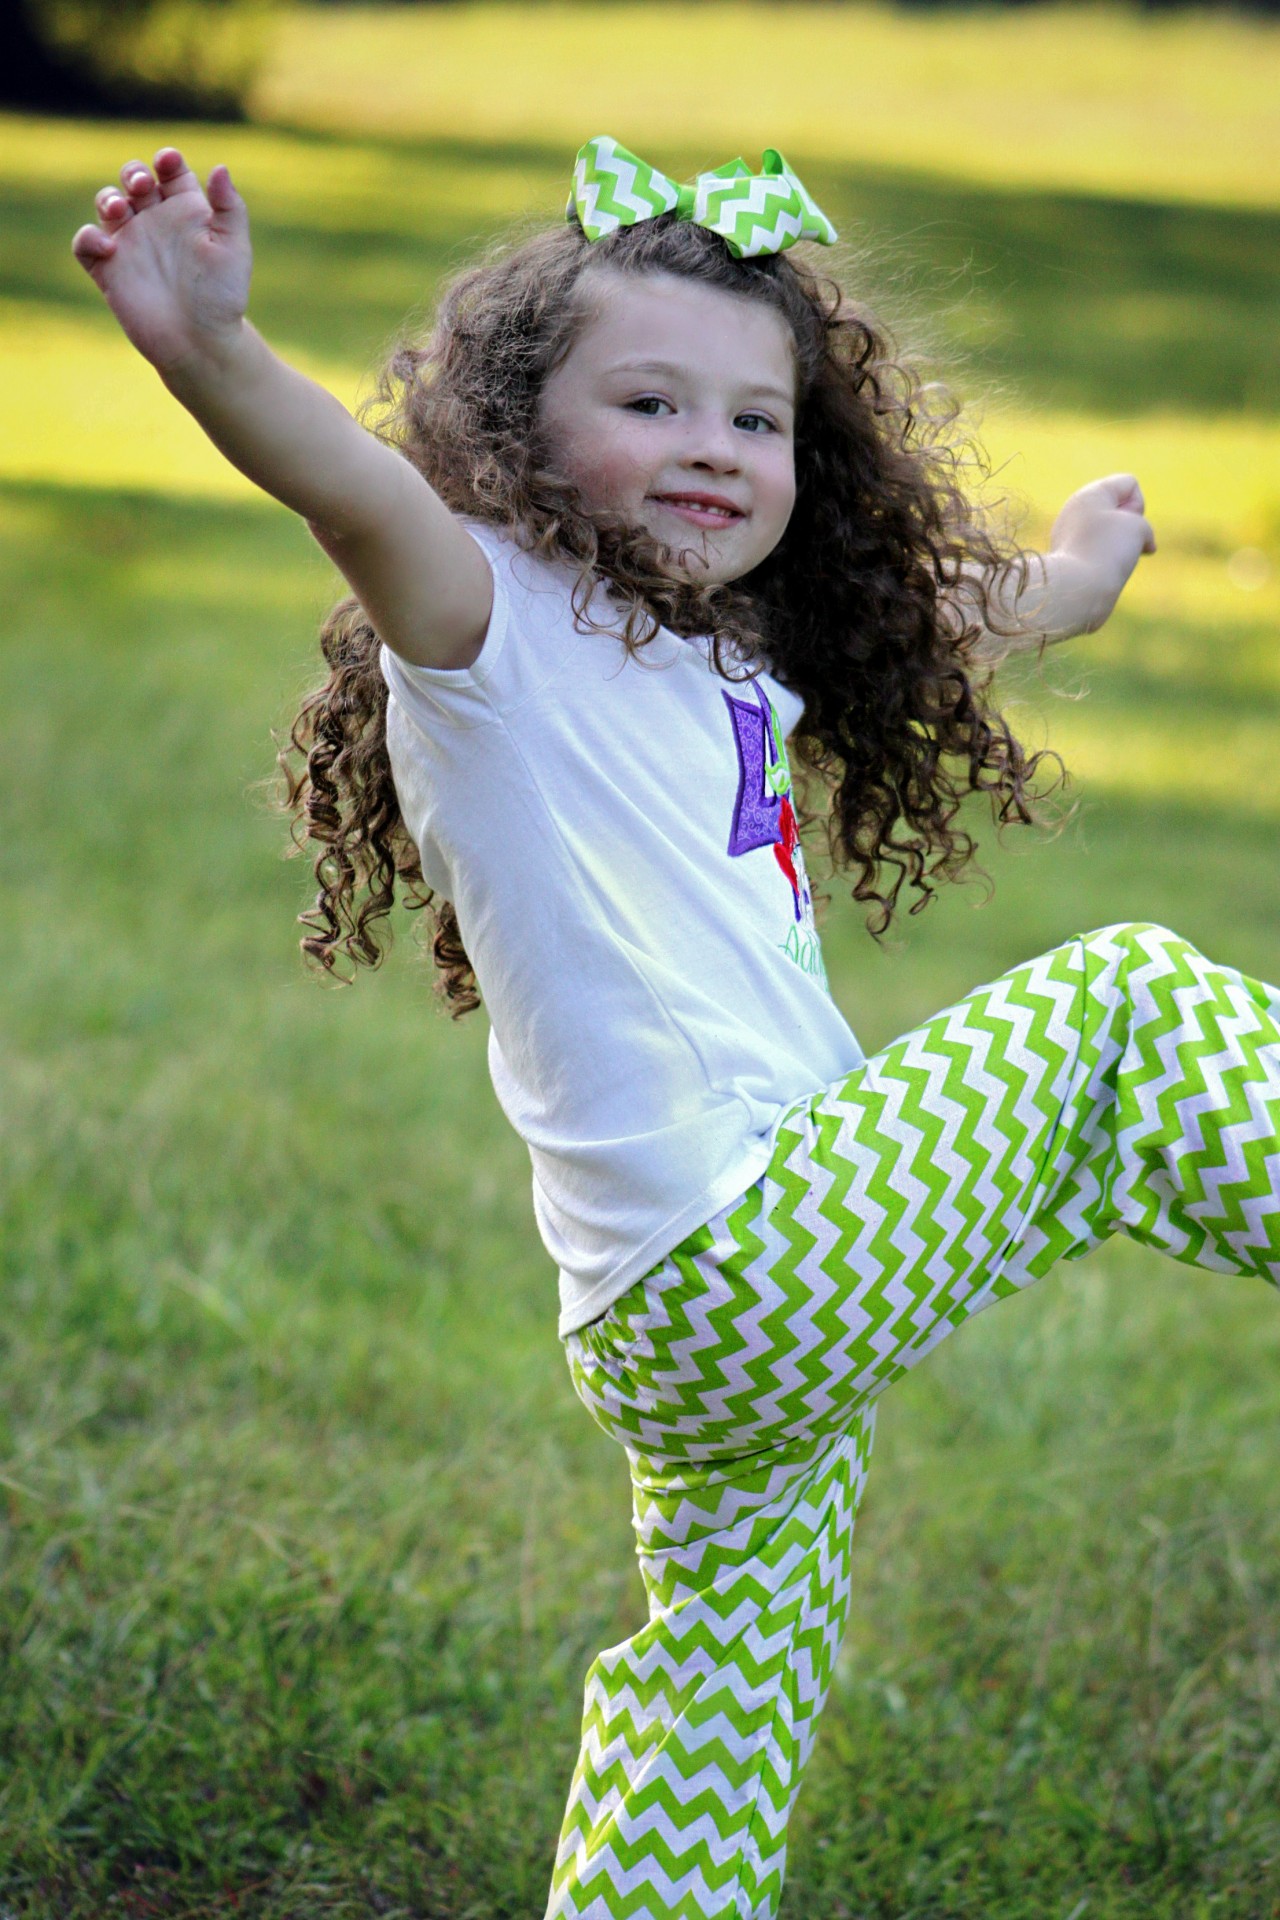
(1088, 97)
(79, 406)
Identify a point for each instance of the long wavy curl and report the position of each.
(855, 609)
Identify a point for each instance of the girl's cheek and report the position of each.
(616, 470)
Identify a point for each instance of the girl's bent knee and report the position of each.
(1139, 940)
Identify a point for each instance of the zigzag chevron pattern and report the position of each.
(760, 213)
(1121, 1081)
(752, 213)
(613, 188)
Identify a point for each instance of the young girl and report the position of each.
(651, 501)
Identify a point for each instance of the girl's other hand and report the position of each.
(1104, 527)
(173, 261)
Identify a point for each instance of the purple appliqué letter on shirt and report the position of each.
(755, 816)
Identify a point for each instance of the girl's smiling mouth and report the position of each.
(703, 509)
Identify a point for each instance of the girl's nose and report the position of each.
(712, 444)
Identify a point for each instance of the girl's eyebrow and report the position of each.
(672, 366)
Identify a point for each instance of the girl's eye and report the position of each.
(762, 417)
(649, 400)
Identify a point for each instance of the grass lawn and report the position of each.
(305, 1543)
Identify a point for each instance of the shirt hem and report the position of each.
(729, 1186)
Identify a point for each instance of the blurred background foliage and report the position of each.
(132, 56)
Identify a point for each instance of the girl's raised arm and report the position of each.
(173, 263)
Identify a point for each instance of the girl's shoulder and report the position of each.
(530, 638)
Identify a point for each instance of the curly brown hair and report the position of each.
(854, 609)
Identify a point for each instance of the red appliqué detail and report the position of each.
(784, 848)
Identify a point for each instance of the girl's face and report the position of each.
(675, 406)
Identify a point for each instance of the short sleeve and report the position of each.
(457, 695)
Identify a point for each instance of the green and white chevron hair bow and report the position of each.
(753, 213)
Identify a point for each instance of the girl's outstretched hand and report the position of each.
(1105, 529)
(172, 259)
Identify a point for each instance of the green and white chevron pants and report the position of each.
(1120, 1081)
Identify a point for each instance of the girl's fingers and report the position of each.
(1117, 489)
(1139, 523)
(173, 175)
(1131, 502)
(91, 245)
(230, 216)
(139, 185)
(222, 193)
(112, 206)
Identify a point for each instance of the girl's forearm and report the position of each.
(287, 434)
(1060, 599)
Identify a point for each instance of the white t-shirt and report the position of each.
(617, 838)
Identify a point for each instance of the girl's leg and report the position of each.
(696, 1730)
(1121, 1081)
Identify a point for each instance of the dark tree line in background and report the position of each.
(198, 57)
(131, 56)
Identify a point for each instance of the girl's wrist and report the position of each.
(207, 361)
(1077, 596)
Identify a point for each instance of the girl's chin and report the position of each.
(701, 569)
(683, 535)
(693, 553)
